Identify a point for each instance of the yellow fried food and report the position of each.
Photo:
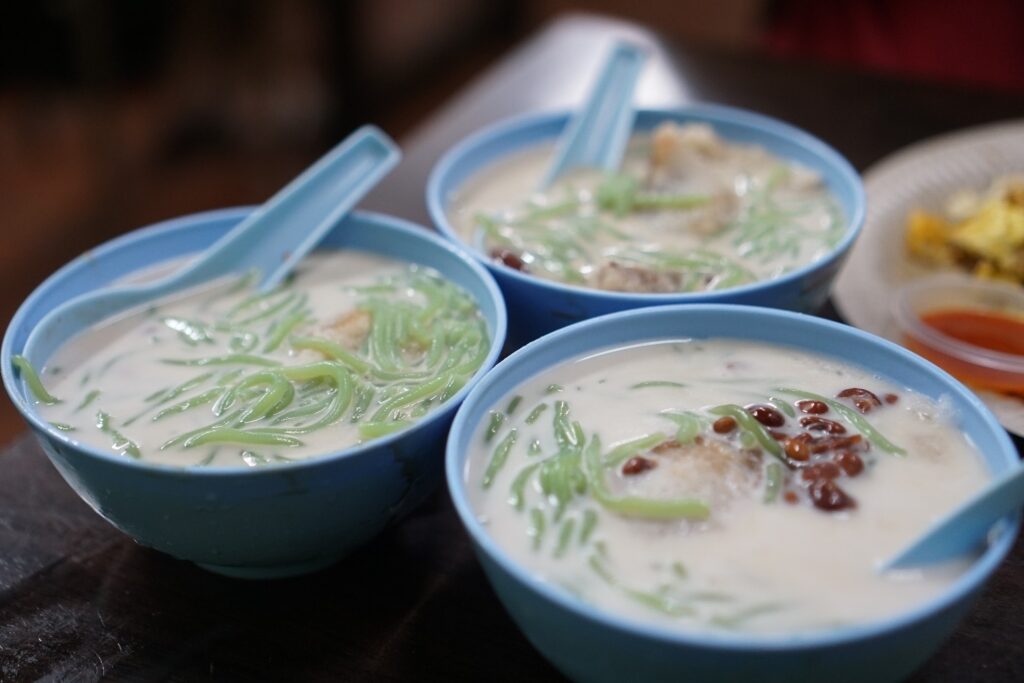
(989, 243)
(927, 238)
(995, 235)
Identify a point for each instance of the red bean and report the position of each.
(821, 424)
(724, 425)
(820, 445)
(669, 445)
(835, 443)
(821, 470)
(826, 495)
(891, 398)
(797, 449)
(638, 464)
(863, 399)
(509, 258)
(847, 441)
(766, 415)
(790, 497)
(850, 462)
(813, 407)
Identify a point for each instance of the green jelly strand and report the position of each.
(332, 351)
(494, 425)
(87, 401)
(588, 526)
(784, 406)
(565, 435)
(226, 421)
(635, 506)
(565, 536)
(31, 377)
(221, 435)
(188, 404)
(561, 479)
(517, 492)
(363, 399)
(499, 457)
(751, 426)
(629, 448)
(229, 359)
(772, 481)
(277, 393)
(120, 443)
(536, 413)
(538, 524)
(374, 430)
(513, 405)
(657, 383)
(425, 390)
(280, 330)
(852, 417)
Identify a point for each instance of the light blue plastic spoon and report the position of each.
(597, 133)
(965, 528)
(272, 240)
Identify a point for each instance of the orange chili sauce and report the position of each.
(987, 329)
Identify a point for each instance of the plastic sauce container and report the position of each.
(973, 329)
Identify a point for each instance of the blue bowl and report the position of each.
(273, 521)
(590, 644)
(537, 306)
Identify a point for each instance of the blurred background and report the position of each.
(118, 113)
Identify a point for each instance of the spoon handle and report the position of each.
(271, 239)
(597, 134)
(310, 205)
(964, 528)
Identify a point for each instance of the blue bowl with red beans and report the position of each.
(588, 643)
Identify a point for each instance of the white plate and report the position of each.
(921, 176)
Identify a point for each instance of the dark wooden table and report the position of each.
(80, 601)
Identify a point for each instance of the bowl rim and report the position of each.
(437, 201)
(402, 226)
(961, 588)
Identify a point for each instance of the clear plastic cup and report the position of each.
(972, 328)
